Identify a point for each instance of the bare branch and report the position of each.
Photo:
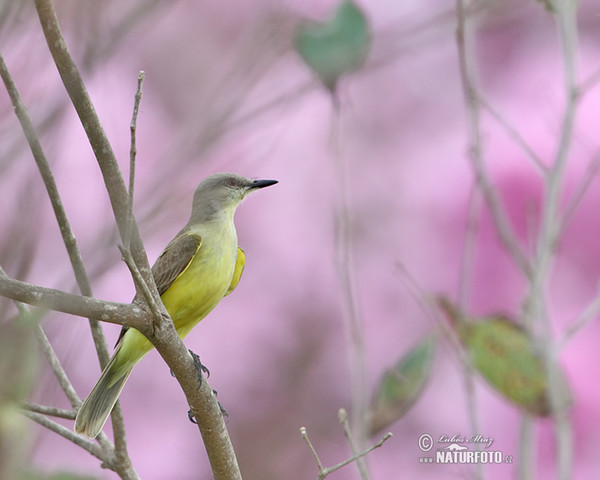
(343, 419)
(588, 177)
(158, 310)
(57, 368)
(202, 402)
(52, 411)
(362, 454)
(103, 151)
(61, 216)
(587, 316)
(535, 316)
(464, 42)
(325, 471)
(514, 135)
(473, 103)
(120, 313)
(589, 83)
(344, 265)
(315, 455)
(84, 443)
(132, 155)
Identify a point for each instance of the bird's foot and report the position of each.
(192, 416)
(200, 368)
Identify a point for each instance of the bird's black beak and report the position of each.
(256, 184)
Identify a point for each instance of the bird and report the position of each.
(201, 265)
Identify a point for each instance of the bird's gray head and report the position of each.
(221, 193)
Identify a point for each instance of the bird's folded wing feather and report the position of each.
(172, 262)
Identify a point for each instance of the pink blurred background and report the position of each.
(225, 92)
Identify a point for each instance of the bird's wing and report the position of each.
(172, 262)
(237, 272)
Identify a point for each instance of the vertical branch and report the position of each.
(103, 151)
(57, 205)
(468, 77)
(466, 60)
(78, 268)
(344, 267)
(535, 315)
(465, 281)
(132, 155)
(527, 451)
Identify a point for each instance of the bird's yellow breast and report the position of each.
(201, 286)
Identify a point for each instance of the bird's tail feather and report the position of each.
(96, 408)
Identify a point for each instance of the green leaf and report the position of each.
(401, 386)
(504, 354)
(337, 47)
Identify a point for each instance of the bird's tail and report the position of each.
(96, 408)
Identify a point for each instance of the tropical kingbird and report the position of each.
(199, 267)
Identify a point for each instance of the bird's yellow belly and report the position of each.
(199, 289)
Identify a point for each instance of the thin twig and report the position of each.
(514, 135)
(589, 83)
(46, 410)
(50, 354)
(57, 368)
(83, 442)
(158, 310)
(344, 266)
(362, 454)
(590, 313)
(343, 419)
(325, 471)
(315, 455)
(588, 177)
(466, 57)
(467, 74)
(132, 155)
(536, 318)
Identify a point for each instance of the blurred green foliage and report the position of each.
(336, 47)
(505, 355)
(401, 386)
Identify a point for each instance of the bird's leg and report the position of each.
(199, 366)
(224, 412)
